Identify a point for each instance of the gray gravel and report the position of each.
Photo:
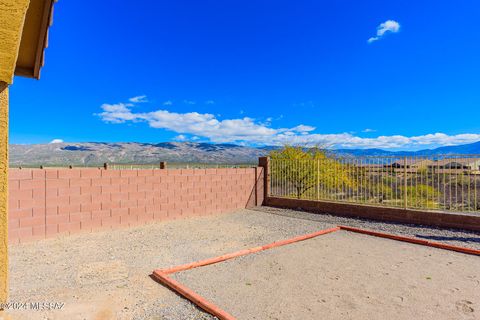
(105, 275)
(456, 237)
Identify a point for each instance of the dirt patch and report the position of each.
(102, 272)
(343, 276)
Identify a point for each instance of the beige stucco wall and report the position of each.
(12, 18)
(3, 191)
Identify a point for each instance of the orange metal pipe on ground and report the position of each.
(161, 275)
(192, 296)
(413, 240)
(236, 254)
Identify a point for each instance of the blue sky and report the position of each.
(388, 74)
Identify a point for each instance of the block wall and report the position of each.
(45, 203)
(437, 219)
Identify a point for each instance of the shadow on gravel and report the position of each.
(443, 238)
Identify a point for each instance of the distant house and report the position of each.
(369, 167)
(458, 165)
(409, 164)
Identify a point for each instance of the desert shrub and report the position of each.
(307, 168)
(421, 196)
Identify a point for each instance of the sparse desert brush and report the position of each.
(421, 196)
(307, 168)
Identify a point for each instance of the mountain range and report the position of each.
(97, 153)
(471, 148)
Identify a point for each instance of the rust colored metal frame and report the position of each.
(413, 240)
(161, 275)
(245, 252)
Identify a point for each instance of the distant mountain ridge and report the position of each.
(472, 148)
(97, 153)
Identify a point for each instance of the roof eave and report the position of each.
(33, 69)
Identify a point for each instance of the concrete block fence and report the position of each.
(439, 219)
(46, 203)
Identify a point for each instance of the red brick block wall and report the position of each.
(44, 203)
(398, 215)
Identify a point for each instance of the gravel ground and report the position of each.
(105, 275)
(463, 238)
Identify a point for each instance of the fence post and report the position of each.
(163, 165)
(264, 162)
(318, 179)
(405, 197)
(255, 186)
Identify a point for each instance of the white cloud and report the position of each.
(117, 113)
(56, 141)
(303, 128)
(387, 26)
(250, 131)
(180, 137)
(210, 102)
(190, 102)
(168, 103)
(138, 99)
(367, 130)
